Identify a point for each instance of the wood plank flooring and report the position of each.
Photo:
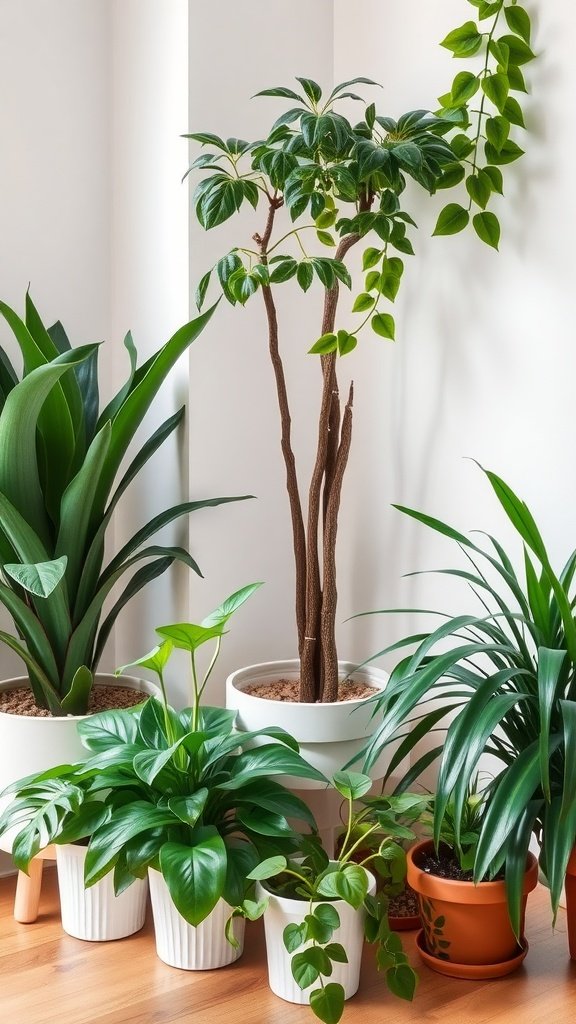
(47, 976)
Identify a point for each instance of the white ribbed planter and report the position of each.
(329, 735)
(96, 914)
(281, 912)
(29, 745)
(179, 944)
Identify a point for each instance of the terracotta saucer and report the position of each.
(470, 972)
(405, 924)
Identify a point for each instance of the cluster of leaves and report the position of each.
(60, 456)
(484, 145)
(460, 831)
(347, 179)
(315, 880)
(505, 679)
(179, 791)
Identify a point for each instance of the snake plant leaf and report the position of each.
(113, 406)
(50, 350)
(8, 377)
(51, 611)
(19, 479)
(29, 626)
(51, 698)
(161, 520)
(76, 700)
(144, 390)
(138, 581)
(94, 557)
(76, 508)
(38, 578)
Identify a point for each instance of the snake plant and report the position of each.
(60, 462)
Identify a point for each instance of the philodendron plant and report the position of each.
(342, 186)
(60, 458)
(178, 791)
(374, 828)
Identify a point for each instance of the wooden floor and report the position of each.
(46, 976)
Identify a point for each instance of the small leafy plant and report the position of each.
(317, 882)
(342, 184)
(179, 791)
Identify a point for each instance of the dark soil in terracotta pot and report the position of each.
(404, 905)
(445, 865)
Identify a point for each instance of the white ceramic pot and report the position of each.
(96, 914)
(281, 912)
(179, 944)
(329, 735)
(29, 744)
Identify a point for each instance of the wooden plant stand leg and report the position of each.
(28, 888)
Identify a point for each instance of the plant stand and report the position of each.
(29, 887)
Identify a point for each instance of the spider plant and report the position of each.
(504, 679)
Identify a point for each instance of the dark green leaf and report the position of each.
(327, 1003)
(497, 131)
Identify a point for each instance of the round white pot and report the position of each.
(96, 914)
(29, 745)
(179, 944)
(281, 912)
(329, 735)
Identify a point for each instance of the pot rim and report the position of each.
(267, 670)
(453, 891)
(147, 687)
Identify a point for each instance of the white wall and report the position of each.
(149, 274)
(54, 191)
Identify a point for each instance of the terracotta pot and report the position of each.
(466, 924)
(570, 885)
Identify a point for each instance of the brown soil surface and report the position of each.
(405, 904)
(20, 701)
(288, 690)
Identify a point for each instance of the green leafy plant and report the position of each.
(179, 791)
(460, 834)
(60, 457)
(317, 881)
(342, 184)
(505, 680)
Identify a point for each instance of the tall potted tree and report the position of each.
(341, 185)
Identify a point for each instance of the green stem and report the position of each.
(305, 227)
(481, 113)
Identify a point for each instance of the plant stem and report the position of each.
(298, 535)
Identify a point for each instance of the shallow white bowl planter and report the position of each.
(96, 914)
(179, 944)
(282, 911)
(29, 744)
(329, 735)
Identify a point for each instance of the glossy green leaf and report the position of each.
(497, 131)
(383, 325)
(452, 219)
(352, 785)
(327, 1003)
(195, 874)
(496, 89)
(326, 344)
(464, 41)
(487, 227)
